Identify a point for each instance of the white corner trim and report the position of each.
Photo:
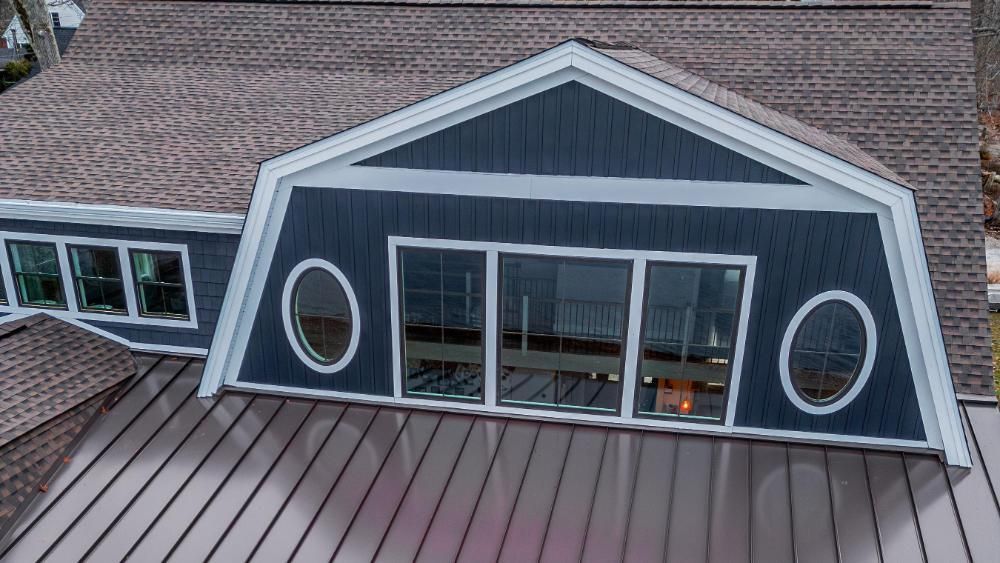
(868, 361)
(574, 61)
(122, 216)
(286, 315)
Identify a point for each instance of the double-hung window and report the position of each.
(645, 336)
(37, 278)
(97, 279)
(159, 282)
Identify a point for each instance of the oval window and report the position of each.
(321, 315)
(827, 351)
(825, 354)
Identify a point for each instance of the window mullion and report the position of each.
(66, 279)
(491, 325)
(632, 340)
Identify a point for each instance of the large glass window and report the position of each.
(688, 337)
(98, 279)
(563, 322)
(36, 274)
(827, 352)
(159, 282)
(442, 311)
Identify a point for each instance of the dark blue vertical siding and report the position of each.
(800, 254)
(211, 257)
(574, 130)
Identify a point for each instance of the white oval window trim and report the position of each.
(866, 367)
(286, 314)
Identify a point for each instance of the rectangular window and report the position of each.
(688, 335)
(55, 20)
(98, 279)
(442, 332)
(563, 326)
(36, 274)
(159, 282)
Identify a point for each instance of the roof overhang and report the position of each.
(895, 204)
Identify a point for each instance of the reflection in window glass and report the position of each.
(443, 322)
(562, 335)
(159, 280)
(36, 274)
(322, 316)
(827, 351)
(98, 279)
(687, 338)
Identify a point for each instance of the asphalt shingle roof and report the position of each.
(173, 104)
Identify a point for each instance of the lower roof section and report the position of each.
(242, 476)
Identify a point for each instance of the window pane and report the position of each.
(562, 333)
(159, 278)
(98, 279)
(322, 316)
(36, 274)
(827, 352)
(442, 322)
(687, 339)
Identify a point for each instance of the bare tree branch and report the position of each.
(43, 40)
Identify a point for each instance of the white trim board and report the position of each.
(134, 346)
(327, 162)
(575, 417)
(122, 216)
(72, 310)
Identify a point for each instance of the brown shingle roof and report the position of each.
(53, 377)
(173, 104)
(252, 477)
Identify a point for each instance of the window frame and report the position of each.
(401, 343)
(867, 362)
(737, 314)
(76, 290)
(287, 312)
(637, 260)
(73, 311)
(15, 275)
(137, 285)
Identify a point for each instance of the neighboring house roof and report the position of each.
(247, 475)
(53, 378)
(148, 92)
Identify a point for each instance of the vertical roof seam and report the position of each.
(711, 491)
(593, 495)
(914, 512)
(225, 480)
(963, 409)
(829, 494)
(517, 495)
(263, 478)
(482, 487)
(673, 496)
(128, 506)
(631, 497)
(555, 497)
(791, 504)
(298, 482)
(333, 484)
(371, 485)
(871, 499)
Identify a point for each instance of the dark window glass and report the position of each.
(3, 293)
(827, 352)
(55, 20)
(159, 281)
(563, 322)
(688, 335)
(322, 316)
(36, 274)
(443, 322)
(98, 279)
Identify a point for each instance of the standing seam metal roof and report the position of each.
(264, 478)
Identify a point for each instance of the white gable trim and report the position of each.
(894, 204)
(122, 216)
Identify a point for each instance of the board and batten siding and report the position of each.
(211, 256)
(800, 254)
(574, 130)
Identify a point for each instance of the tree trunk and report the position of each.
(43, 40)
(7, 14)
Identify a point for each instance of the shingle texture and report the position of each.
(53, 378)
(174, 104)
(243, 477)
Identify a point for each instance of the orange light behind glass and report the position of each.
(685, 406)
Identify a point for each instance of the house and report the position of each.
(515, 280)
(63, 15)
